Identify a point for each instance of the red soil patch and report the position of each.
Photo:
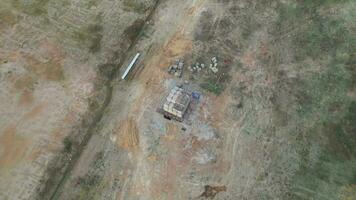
(24, 85)
(51, 70)
(13, 147)
(24, 82)
(172, 131)
(177, 46)
(249, 59)
(219, 105)
(155, 70)
(26, 98)
(128, 135)
(35, 112)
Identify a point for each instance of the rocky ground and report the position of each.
(277, 121)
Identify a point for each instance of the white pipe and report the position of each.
(130, 66)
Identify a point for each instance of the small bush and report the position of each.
(68, 144)
(133, 31)
(88, 181)
(135, 6)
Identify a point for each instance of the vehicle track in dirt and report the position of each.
(108, 84)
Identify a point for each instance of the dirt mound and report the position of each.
(212, 191)
(127, 134)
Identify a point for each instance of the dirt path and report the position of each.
(108, 84)
(174, 44)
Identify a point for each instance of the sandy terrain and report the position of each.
(49, 73)
(273, 123)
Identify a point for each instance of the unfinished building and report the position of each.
(176, 104)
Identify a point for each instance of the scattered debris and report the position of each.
(197, 67)
(212, 191)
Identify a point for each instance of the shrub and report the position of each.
(68, 144)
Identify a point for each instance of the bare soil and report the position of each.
(275, 122)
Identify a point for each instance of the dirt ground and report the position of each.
(275, 122)
(50, 62)
(172, 163)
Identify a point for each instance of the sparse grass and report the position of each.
(133, 31)
(98, 160)
(34, 8)
(324, 36)
(93, 105)
(351, 113)
(88, 181)
(135, 6)
(206, 23)
(212, 87)
(329, 41)
(91, 3)
(320, 91)
(7, 18)
(96, 38)
(91, 36)
(92, 181)
(316, 34)
(249, 26)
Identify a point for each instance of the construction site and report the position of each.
(176, 100)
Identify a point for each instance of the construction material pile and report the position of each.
(200, 66)
(176, 69)
(213, 66)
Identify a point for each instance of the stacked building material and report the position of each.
(176, 104)
(176, 69)
(214, 65)
(197, 67)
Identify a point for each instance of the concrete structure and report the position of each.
(130, 66)
(176, 104)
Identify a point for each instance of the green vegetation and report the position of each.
(91, 3)
(95, 42)
(93, 104)
(133, 31)
(91, 182)
(215, 88)
(88, 181)
(34, 8)
(68, 144)
(315, 34)
(7, 18)
(90, 35)
(328, 165)
(250, 25)
(135, 6)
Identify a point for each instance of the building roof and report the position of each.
(177, 102)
